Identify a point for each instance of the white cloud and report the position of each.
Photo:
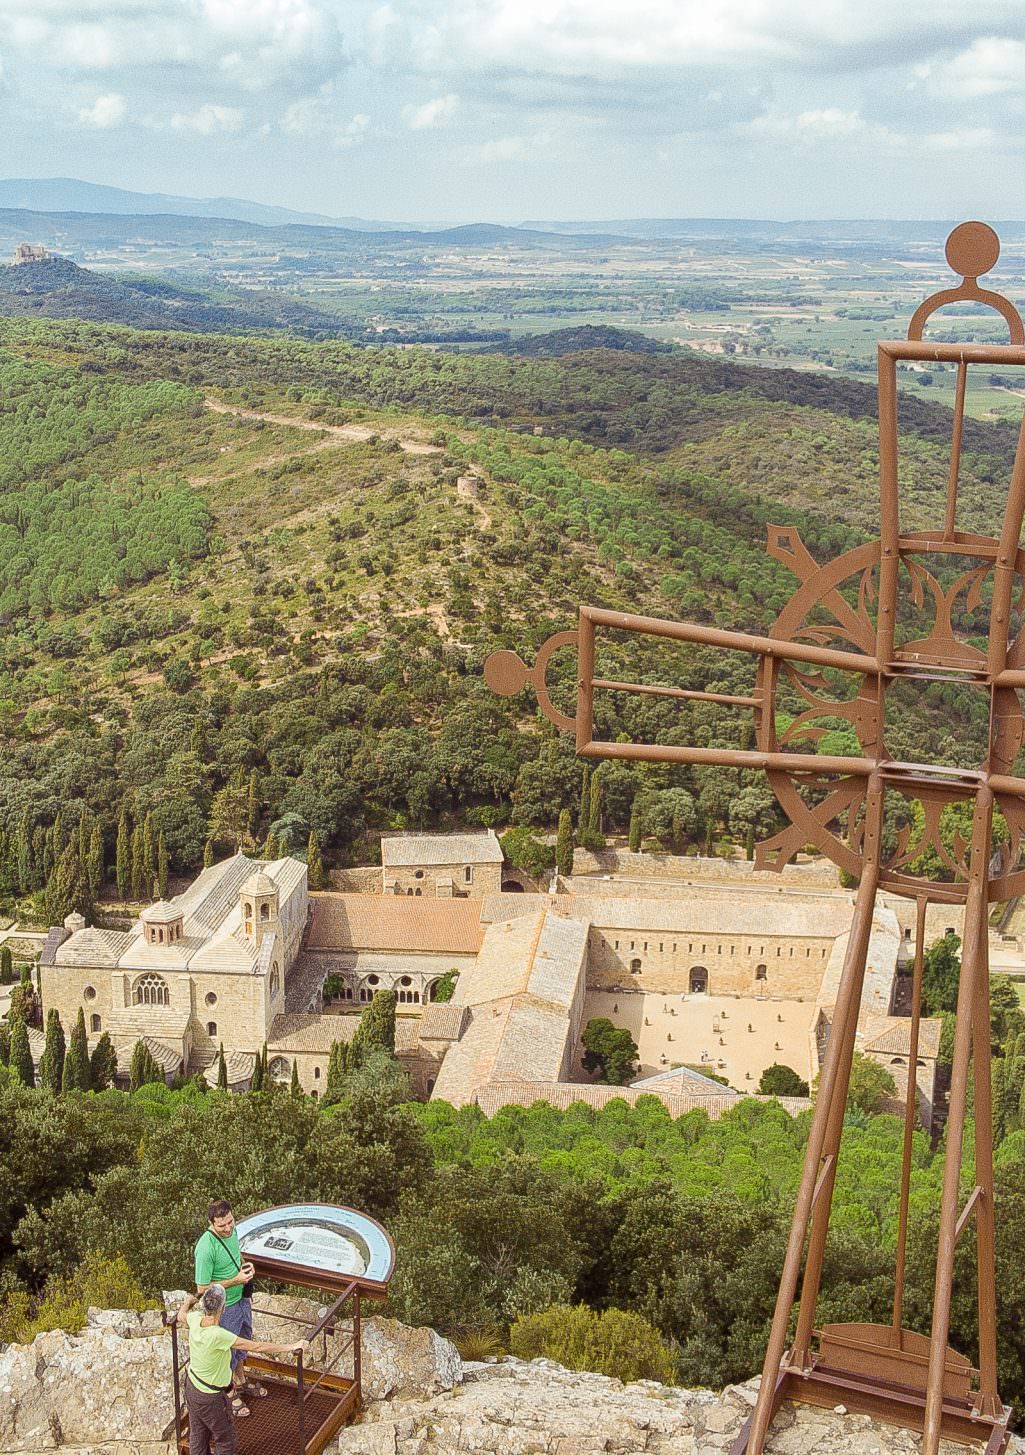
(315, 116)
(432, 113)
(106, 111)
(352, 132)
(208, 119)
(991, 66)
(502, 149)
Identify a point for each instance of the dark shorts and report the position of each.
(211, 1424)
(237, 1318)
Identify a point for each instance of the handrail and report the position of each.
(969, 1208)
(318, 1327)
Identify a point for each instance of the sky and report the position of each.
(509, 110)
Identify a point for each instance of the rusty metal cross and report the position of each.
(847, 622)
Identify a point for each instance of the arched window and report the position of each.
(280, 1069)
(275, 981)
(151, 990)
(698, 980)
(265, 911)
(635, 967)
(316, 1073)
(897, 1061)
(247, 909)
(761, 972)
(94, 1024)
(419, 893)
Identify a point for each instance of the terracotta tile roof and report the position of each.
(895, 1038)
(395, 922)
(409, 850)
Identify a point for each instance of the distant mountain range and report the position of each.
(67, 194)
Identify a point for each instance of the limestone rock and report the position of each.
(101, 1389)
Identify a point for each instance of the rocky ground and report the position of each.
(107, 1391)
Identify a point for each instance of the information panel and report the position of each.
(318, 1239)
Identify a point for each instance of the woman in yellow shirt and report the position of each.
(208, 1383)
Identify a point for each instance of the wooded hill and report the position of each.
(249, 584)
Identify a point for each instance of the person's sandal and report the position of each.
(239, 1408)
(252, 1388)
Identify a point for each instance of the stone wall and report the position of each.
(815, 874)
(444, 881)
(364, 880)
(733, 964)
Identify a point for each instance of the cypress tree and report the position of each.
(315, 864)
(149, 853)
(594, 814)
(564, 844)
(23, 851)
(103, 1064)
(83, 835)
(222, 1070)
(68, 887)
(94, 862)
(51, 1063)
(76, 1062)
(256, 1084)
(38, 875)
(5, 1043)
(6, 965)
(253, 803)
(749, 842)
(208, 853)
(376, 1028)
(163, 866)
(271, 849)
(21, 1054)
(124, 857)
(137, 1071)
(336, 1069)
(138, 864)
(295, 1090)
(584, 816)
(635, 831)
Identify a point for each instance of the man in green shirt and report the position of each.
(219, 1260)
(208, 1385)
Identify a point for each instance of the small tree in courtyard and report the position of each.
(564, 844)
(76, 1062)
(376, 1028)
(610, 1051)
(103, 1064)
(779, 1080)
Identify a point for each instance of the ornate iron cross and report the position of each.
(847, 623)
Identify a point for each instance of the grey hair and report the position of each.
(213, 1299)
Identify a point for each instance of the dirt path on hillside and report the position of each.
(466, 488)
(352, 433)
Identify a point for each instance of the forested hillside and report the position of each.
(250, 584)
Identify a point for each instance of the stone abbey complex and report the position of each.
(716, 974)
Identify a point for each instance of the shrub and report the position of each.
(98, 1282)
(617, 1343)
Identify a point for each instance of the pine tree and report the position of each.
(51, 1063)
(163, 866)
(208, 853)
(295, 1090)
(94, 863)
(197, 743)
(749, 842)
(635, 831)
(315, 864)
(124, 857)
(6, 965)
(76, 1062)
(256, 1083)
(103, 1064)
(564, 844)
(222, 1070)
(584, 815)
(21, 1054)
(149, 854)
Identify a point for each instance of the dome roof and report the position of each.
(259, 883)
(160, 913)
